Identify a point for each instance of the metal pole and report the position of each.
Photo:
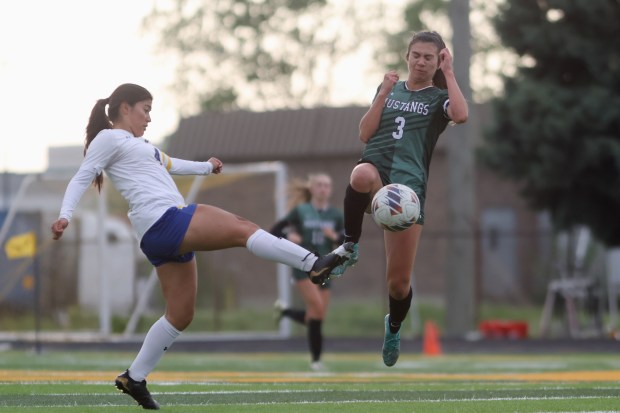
(104, 282)
(37, 302)
(283, 271)
(26, 182)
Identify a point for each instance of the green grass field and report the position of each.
(282, 383)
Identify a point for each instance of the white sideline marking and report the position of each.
(469, 399)
(329, 403)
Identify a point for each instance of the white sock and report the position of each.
(264, 245)
(159, 338)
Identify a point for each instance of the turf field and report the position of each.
(282, 383)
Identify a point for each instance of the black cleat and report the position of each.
(324, 265)
(137, 390)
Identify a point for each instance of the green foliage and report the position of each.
(394, 54)
(414, 10)
(224, 99)
(254, 54)
(557, 129)
(441, 16)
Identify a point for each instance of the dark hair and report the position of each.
(439, 80)
(99, 120)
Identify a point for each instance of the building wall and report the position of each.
(235, 277)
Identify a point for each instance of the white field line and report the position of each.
(288, 403)
(418, 399)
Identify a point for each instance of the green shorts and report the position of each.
(420, 190)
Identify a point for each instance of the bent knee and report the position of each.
(365, 178)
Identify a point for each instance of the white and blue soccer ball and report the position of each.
(395, 207)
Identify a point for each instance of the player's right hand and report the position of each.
(217, 165)
(389, 80)
(58, 228)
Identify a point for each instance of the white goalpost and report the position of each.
(280, 173)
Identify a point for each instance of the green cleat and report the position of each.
(353, 258)
(391, 344)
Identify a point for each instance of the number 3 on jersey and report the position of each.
(400, 121)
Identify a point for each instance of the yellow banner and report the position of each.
(21, 246)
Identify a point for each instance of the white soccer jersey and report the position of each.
(138, 170)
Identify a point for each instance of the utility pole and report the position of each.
(461, 265)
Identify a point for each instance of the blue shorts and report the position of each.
(161, 242)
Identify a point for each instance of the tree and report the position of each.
(257, 54)
(435, 15)
(557, 128)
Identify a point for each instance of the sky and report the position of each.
(57, 58)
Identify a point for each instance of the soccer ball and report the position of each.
(395, 207)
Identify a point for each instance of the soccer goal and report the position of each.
(230, 179)
(97, 267)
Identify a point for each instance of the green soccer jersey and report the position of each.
(309, 223)
(410, 125)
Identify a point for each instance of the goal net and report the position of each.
(96, 281)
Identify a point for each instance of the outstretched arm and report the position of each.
(75, 190)
(101, 150)
(458, 110)
(177, 166)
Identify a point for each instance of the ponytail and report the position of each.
(439, 80)
(97, 122)
(298, 192)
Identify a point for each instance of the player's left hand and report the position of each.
(445, 61)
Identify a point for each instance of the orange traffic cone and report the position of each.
(431, 345)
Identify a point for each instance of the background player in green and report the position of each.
(318, 226)
(400, 131)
